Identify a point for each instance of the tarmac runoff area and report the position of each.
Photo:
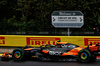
(44, 63)
(6, 49)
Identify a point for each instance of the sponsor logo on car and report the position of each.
(2, 40)
(88, 41)
(41, 40)
(54, 53)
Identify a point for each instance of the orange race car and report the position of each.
(62, 51)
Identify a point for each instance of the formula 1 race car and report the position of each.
(62, 51)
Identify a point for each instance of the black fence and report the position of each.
(53, 33)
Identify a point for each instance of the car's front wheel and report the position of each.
(18, 54)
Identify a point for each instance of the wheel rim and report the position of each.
(84, 56)
(17, 54)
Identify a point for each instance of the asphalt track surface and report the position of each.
(44, 63)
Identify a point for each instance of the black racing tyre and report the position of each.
(84, 55)
(18, 54)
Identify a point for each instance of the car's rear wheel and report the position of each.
(84, 55)
(18, 54)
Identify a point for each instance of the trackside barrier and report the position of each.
(36, 41)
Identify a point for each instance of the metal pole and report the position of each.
(68, 32)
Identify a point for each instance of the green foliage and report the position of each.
(99, 19)
(35, 15)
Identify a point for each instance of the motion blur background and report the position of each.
(33, 17)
